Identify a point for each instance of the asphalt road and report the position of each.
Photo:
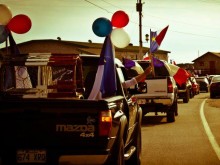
(193, 139)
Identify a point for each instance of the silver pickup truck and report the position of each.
(157, 93)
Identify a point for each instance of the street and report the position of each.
(188, 140)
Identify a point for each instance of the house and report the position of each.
(61, 46)
(208, 63)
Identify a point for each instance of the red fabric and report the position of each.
(181, 76)
(146, 58)
(162, 34)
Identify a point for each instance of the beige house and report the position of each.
(60, 46)
(208, 63)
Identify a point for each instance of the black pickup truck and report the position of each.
(46, 118)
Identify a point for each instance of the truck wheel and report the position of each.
(186, 98)
(170, 116)
(191, 94)
(212, 95)
(174, 107)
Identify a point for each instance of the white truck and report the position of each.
(157, 93)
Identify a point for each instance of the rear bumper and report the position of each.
(182, 94)
(83, 159)
(166, 101)
(61, 157)
(156, 106)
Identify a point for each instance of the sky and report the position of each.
(194, 26)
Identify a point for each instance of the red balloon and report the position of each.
(120, 19)
(20, 24)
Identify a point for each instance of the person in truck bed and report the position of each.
(89, 80)
(138, 78)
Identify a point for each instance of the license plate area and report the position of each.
(31, 156)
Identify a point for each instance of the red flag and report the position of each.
(161, 36)
(179, 74)
(146, 58)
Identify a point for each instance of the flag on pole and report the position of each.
(157, 63)
(179, 74)
(146, 57)
(153, 44)
(155, 40)
(130, 64)
(105, 80)
(21, 74)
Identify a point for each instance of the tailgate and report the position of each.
(156, 88)
(49, 123)
(41, 131)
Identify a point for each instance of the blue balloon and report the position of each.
(102, 27)
(3, 33)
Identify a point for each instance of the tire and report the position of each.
(186, 98)
(212, 95)
(191, 94)
(174, 108)
(170, 116)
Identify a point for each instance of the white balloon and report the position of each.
(120, 38)
(5, 14)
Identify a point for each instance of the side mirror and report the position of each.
(142, 87)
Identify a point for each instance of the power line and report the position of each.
(134, 22)
(98, 6)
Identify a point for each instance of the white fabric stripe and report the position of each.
(172, 69)
(95, 93)
(138, 68)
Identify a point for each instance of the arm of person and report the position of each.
(142, 76)
(137, 79)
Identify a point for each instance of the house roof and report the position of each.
(212, 53)
(88, 44)
(83, 47)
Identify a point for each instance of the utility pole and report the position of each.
(139, 9)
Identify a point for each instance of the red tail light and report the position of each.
(105, 123)
(169, 85)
